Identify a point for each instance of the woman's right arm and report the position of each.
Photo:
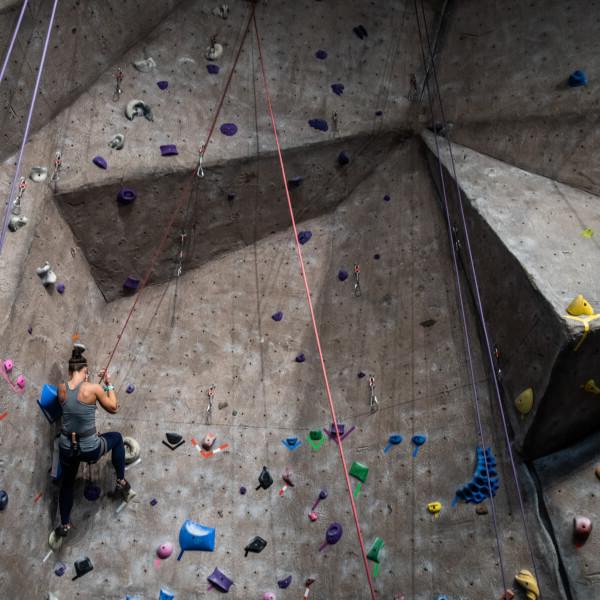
(106, 394)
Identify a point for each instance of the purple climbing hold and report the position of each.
(361, 32)
(126, 196)
(277, 316)
(30, 330)
(387, 198)
(163, 85)
(377, 256)
(295, 182)
(361, 374)
(212, 69)
(91, 491)
(342, 275)
(130, 388)
(343, 158)
(169, 150)
(300, 358)
(285, 583)
(153, 502)
(100, 162)
(337, 88)
(304, 236)
(60, 287)
(131, 283)
(320, 124)
(229, 129)
(60, 569)
(231, 196)
(242, 490)
(321, 54)
(378, 113)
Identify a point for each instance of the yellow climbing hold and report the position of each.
(524, 401)
(591, 387)
(580, 306)
(527, 581)
(434, 508)
(587, 233)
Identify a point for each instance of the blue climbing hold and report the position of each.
(321, 54)
(277, 316)
(393, 440)
(343, 158)
(320, 124)
(418, 440)
(304, 236)
(100, 162)
(291, 443)
(193, 536)
(295, 182)
(577, 78)
(342, 275)
(212, 69)
(478, 489)
(229, 129)
(300, 358)
(130, 388)
(163, 85)
(337, 88)
(49, 403)
(126, 196)
(166, 595)
(168, 150)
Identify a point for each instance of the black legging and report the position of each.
(70, 466)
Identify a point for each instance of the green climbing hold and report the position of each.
(375, 549)
(315, 435)
(359, 471)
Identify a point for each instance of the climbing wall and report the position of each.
(226, 309)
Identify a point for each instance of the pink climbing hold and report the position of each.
(269, 596)
(8, 365)
(21, 382)
(164, 550)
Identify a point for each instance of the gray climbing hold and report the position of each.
(46, 274)
(138, 108)
(38, 174)
(132, 450)
(221, 11)
(145, 66)
(117, 142)
(16, 222)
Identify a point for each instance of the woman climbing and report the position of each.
(79, 440)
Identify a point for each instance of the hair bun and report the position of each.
(78, 350)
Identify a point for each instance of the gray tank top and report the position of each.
(79, 417)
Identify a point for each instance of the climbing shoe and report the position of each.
(57, 537)
(124, 492)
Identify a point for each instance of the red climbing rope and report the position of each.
(312, 316)
(186, 190)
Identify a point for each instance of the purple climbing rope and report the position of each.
(13, 40)
(40, 70)
(480, 308)
(467, 339)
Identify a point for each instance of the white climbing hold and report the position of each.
(221, 11)
(132, 450)
(46, 274)
(214, 52)
(145, 66)
(38, 174)
(16, 222)
(117, 142)
(138, 108)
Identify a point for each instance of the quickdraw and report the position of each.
(119, 79)
(373, 402)
(357, 291)
(57, 166)
(16, 208)
(209, 408)
(180, 264)
(200, 170)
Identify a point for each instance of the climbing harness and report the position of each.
(16, 208)
(118, 80)
(57, 166)
(200, 170)
(209, 408)
(357, 291)
(373, 402)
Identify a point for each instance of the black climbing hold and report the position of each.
(3, 500)
(321, 54)
(377, 256)
(257, 545)
(343, 158)
(361, 374)
(100, 162)
(378, 113)
(337, 88)
(212, 69)
(30, 330)
(304, 236)
(428, 323)
(265, 481)
(174, 440)
(319, 124)
(295, 182)
(361, 32)
(285, 583)
(82, 567)
(153, 502)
